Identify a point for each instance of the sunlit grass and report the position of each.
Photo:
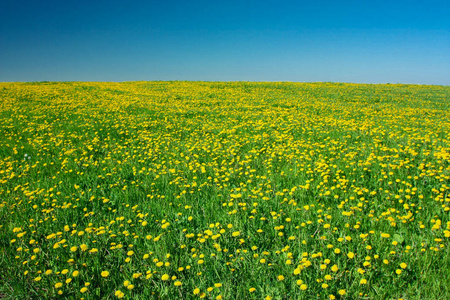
(224, 191)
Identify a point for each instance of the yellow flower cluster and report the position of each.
(224, 190)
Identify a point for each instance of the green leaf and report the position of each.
(398, 238)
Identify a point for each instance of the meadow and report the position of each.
(224, 190)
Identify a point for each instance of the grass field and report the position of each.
(187, 190)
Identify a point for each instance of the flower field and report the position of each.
(214, 190)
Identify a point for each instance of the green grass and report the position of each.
(233, 189)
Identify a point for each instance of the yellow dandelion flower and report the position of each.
(104, 274)
(58, 285)
(119, 294)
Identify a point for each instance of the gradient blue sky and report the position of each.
(339, 41)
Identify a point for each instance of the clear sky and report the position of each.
(340, 41)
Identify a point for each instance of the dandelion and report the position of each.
(104, 274)
(165, 277)
(58, 285)
(119, 294)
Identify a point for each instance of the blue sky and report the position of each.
(306, 41)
